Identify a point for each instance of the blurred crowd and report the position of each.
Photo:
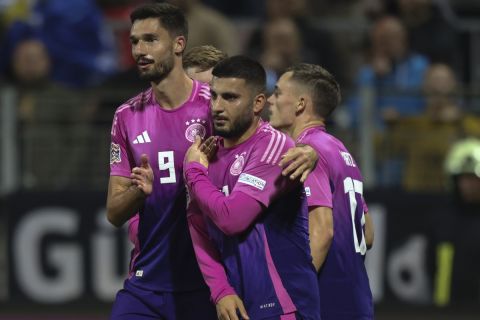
(70, 65)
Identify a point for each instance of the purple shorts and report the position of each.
(133, 303)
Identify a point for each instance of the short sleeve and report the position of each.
(119, 157)
(262, 177)
(317, 186)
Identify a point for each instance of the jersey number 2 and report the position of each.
(167, 162)
(351, 187)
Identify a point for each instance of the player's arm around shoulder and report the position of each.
(299, 161)
(127, 195)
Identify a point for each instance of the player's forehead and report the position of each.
(232, 85)
(147, 26)
(285, 81)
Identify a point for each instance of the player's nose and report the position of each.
(217, 106)
(270, 99)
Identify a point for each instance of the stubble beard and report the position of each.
(237, 128)
(160, 71)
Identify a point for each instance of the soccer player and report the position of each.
(150, 135)
(340, 228)
(249, 222)
(199, 61)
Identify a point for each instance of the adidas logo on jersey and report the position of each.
(142, 138)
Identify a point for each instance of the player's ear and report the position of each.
(259, 103)
(301, 105)
(179, 44)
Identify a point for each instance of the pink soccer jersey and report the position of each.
(266, 262)
(165, 261)
(337, 183)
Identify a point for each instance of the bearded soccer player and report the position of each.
(249, 222)
(198, 64)
(340, 227)
(150, 135)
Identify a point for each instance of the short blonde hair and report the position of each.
(203, 57)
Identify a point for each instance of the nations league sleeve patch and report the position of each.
(115, 153)
(253, 181)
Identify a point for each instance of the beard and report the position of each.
(237, 128)
(160, 71)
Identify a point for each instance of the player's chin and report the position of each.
(273, 123)
(221, 131)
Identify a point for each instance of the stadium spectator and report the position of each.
(316, 43)
(462, 221)
(51, 118)
(393, 71)
(80, 45)
(208, 26)
(423, 141)
(282, 47)
(430, 33)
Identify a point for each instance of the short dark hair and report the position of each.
(170, 17)
(242, 67)
(324, 89)
(203, 57)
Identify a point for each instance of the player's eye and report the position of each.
(149, 38)
(229, 97)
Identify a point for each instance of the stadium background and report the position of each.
(65, 66)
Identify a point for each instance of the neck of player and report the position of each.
(303, 123)
(232, 142)
(173, 91)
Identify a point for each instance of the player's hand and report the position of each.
(142, 176)
(229, 306)
(299, 162)
(209, 147)
(195, 154)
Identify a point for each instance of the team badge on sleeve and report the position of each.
(237, 166)
(115, 156)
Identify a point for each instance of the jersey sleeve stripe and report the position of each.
(265, 154)
(275, 148)
(282, 144)
(203, 95)
(205, 90)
